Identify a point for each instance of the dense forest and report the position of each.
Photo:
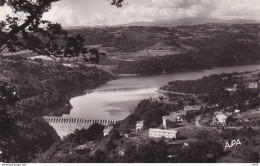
(43, 89)
(167, 63)
(212, 90)
(204, 85)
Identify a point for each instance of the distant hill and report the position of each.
(242, 21)
(82, 27)
(173, 23)
(190, 21)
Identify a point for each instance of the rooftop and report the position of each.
(193, 107)
(163, 130)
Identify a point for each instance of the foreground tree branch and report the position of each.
(26, 29)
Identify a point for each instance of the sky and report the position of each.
(100, 12)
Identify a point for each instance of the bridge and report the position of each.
(66, 125)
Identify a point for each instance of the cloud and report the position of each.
(100, 12)
(247, 9)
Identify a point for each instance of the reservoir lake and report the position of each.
(117, 98)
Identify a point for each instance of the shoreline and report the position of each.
(172, 92)
(80, 90)
(75, 91)
(185, 70)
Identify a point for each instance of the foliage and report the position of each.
(94, 132)
(151, 112)
(169, 63)
(25, 29)
(200, 152)
(128, 123)
(16, 135)
(148, 110)
(229, 133)
(114, 134)
(206, 84)
(39, 87)
(152, 152)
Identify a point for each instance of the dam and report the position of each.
(66, 125)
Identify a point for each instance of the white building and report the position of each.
(232, 89)
(159, 133)
(139, 126)
(237, 111)
(220, 118)
(107, 130)
(252, 85)
(192, 108)
(70, 65)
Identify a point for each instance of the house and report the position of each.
(173, 118)
(252, 85)
(70, 65)
(186, 144)
(232, 89)
(192, 108)
(139, 126)
(180, 118)
(237, 117)
(159, 133)
(121, 153)
(107, 130)
(220, 118)
(237, 111)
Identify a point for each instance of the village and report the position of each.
(179, 127)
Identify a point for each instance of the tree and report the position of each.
(180, 104)
(25, 29)
(203, 135)
(192, 102)
(94, 132)
(8, 97)
(114, 134)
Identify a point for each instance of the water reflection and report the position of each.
(108, 103)
(117, 98)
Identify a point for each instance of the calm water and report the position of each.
(116, 99)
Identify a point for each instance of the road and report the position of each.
(197, 118)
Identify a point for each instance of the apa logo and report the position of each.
(233, 143)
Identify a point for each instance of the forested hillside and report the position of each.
(42, 89)
(154, 49)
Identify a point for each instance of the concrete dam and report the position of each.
(67, 125)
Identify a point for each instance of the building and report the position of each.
(70, 65)
(107, 130)
(232, 89)
(237, 111)
(186, 144)
(252, 85)
(192, 108)
(172, 118)
(159, 133)
(220, 118)
(168, 118)
(139, 126)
